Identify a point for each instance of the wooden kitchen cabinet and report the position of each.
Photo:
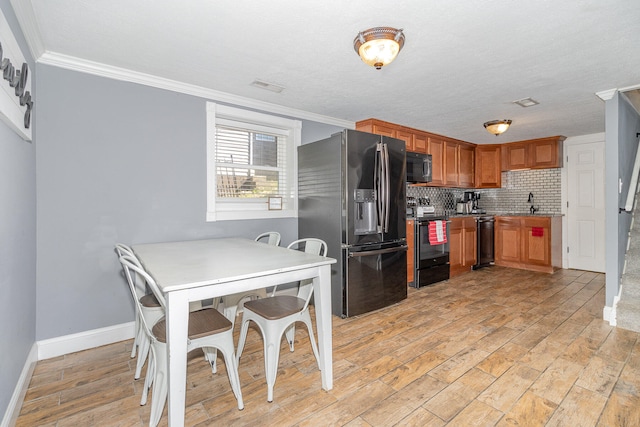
(466, 169)
(411, 250)
(378, 127)
(488, 169)
(420, 143)
(437, 151)
(542, 153)
(546, 153)
(463, 234)
(514, 156)
(451, 163)
(529, 242)
(407, 137)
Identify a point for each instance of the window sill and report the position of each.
(248, 214)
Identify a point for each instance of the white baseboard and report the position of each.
(609, 313)
(15, 404)
(59, 346)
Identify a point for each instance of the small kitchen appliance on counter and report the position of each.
(472, 197)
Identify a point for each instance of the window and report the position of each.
(251, 159)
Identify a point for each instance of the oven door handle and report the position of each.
(378, 251)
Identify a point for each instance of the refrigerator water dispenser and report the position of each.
(366, 218)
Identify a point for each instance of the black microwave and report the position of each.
(418, 167)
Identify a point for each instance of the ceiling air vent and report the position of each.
(268, 86)
(526, 102)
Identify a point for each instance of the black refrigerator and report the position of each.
(352, 195)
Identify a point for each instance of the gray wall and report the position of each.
(17, 241)
(117, 162)
(622, 123)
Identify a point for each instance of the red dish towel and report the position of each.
(437, 232)
(537, 231)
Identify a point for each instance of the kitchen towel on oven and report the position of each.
(437, 232)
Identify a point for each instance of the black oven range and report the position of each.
(431, 250)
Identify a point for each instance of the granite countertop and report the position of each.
(489, 213)
(525, 214)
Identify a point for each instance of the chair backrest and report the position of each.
(132, 263)
(271, 237)
(309, 245)
(139, 284)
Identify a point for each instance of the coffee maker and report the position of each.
(473, 196)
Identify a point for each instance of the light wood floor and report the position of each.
(495, 346)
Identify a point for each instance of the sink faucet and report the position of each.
(532, 208)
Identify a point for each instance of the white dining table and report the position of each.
(200, 269)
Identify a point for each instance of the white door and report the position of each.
(585, 210)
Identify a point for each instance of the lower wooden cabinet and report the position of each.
(411, 250)
(463, 234)
(529, 242)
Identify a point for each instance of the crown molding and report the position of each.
(122, 74)
(606, 95)
(29, 26)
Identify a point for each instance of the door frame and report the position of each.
(571, 141)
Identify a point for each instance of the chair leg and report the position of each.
(211, 356)
(159, 395)
(143, 352)
(232, 371)
(136, 338)
(148, 380)
(306, 318)
(243, 337)
(271, 337)
(290, 333)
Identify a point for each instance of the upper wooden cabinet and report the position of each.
(451, 163)
(462, 164)
(542, 153)
(420, 143)
(467, 154)
(488, 166)
(457, 162)
(437, 151)
(415, 140)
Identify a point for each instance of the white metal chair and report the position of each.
(148, 306)
(278, 314)
(271, 237)
(233, 303)
(208, 328)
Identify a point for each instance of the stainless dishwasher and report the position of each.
(485, 241)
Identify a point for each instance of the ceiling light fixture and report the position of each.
(379, 46)
(497, 127)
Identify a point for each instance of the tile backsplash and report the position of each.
(544, 184)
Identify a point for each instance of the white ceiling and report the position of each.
(463, 62)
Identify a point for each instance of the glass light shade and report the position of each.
(378, 53)
(379, 46)
(497, 127)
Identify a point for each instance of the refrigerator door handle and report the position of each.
(378, 251)
(377, 179)
(385, 165)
